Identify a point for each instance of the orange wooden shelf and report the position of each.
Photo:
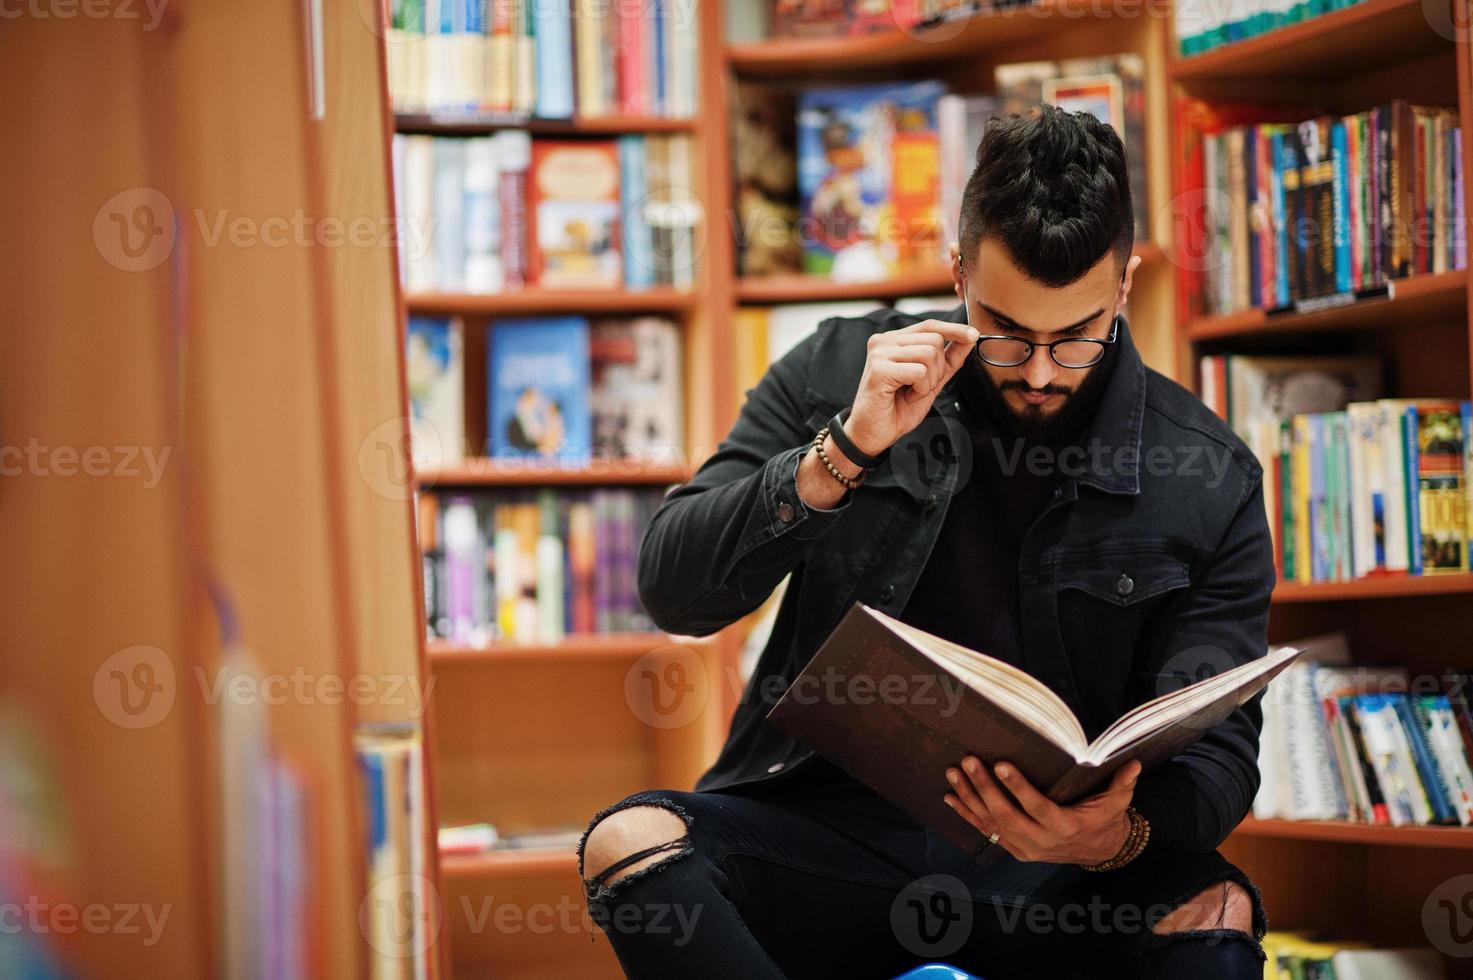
(787, 57)
(573, 647)
(471, 123)
(484, 472)
(817, 289)
(662, 299)
(552, 860)
(1376, 587)
(1458, 838)
(1413, 299)
(1371, 33)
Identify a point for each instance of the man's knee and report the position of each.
(1224, 905)
(630, 840)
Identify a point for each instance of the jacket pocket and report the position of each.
(1105, 605)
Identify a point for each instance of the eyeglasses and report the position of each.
(1076, 352)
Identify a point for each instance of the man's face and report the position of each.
(1001, 300)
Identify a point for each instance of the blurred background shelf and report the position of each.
(617, 646)
(536, 301)
(1367, 35)
(1387, 587)
(484, 472)
(1415, 298)
(1451, 838)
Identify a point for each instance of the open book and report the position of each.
(894, 706)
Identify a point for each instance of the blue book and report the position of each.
(449, 211)
(658, 54)
(639, 249)
(1319, 512)
(552, 29)
(1283, 157)
(1427, 766)
(1341, 207)
(537, 381)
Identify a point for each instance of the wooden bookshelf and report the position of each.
(769, 290)
(616, 646)
(1367, 35)
(457, 124)
(897, 49)
(1411, 300)
(509, 862)
(1342, 879)
(533, 302)
(1341, 832)
(515, 473)
(1377, 587)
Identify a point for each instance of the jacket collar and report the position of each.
(1116, 428)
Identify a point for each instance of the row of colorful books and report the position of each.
(504, 212)
(553, 59)
(1292, 211)
(1300, 956)
(532, 566)
(837, 18)
(1354, 484)
(558, 389)
(1365, 744)
(880, 168)
(396, 912)
(1203, 26)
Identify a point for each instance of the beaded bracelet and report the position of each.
(1135, 842)
(844, 481)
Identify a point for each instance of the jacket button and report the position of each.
(887, 594)
(785, 512)
(776, 767)
(1124, 585)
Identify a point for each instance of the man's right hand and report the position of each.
(903, 373)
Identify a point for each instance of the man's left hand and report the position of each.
(1088, 832)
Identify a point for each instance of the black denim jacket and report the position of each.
(1152, 565)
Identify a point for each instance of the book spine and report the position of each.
(1413, 491)
(1380, 810)
(1341, 200)
(554, 57)
(1287, 535)
(514, 151)
(1429, 773)
(1283, 218)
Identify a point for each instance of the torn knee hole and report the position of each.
(1224, 906)
(629, 842)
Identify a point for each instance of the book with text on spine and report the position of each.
(925, 703)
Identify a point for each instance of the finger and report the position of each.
(931, 357)
(1002, 809)
(956, 356)
(920, 333)
(898, 374)
(1120, 790)
(956, 333)
(1034, 803)
(968, 796)
(967, 815)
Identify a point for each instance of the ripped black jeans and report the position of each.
(822, 878)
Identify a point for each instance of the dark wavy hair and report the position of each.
(1051, 186)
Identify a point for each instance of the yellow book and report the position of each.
(1299, 460)
(751, 349)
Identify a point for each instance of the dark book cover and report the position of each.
(894, 718)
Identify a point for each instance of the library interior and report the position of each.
(453, 419)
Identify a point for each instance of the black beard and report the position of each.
(986, 401)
